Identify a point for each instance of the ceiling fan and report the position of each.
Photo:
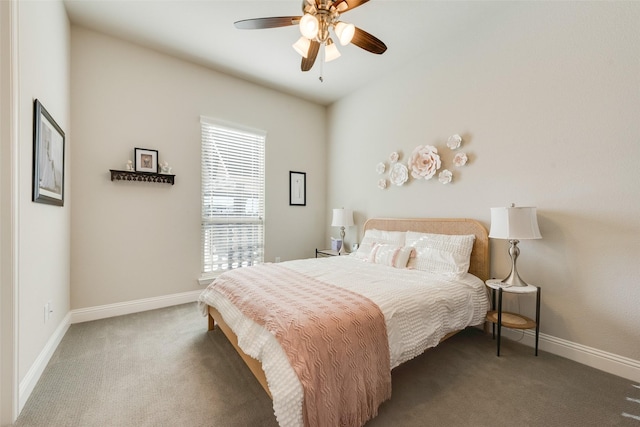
(320, 16)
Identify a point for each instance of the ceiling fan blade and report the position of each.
(368, 42)
(351, 4)
(307, 62)
(260, 23)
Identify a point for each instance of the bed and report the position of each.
(426, 308)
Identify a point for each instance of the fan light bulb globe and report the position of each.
(331, 51)
(302, 46)
(345, 32)
(309, 26)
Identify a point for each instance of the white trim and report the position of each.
(598, 359)
(35, 372)
(9, 211)
(127, 307)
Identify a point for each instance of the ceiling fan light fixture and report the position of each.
(331, 51)
(309, 26)
(302, 46)
(345, 32)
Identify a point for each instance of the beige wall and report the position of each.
(43, 260)
(548, 101)
(140, 240)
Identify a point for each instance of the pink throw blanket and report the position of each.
(335, 339)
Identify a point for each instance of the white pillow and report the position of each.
(391, 255)
(444, 254)
(373, 236)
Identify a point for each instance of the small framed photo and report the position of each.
(48, 158)
(145, 160)
(297, 188)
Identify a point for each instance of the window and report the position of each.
(232, 196)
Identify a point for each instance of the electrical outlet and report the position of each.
(50, 308)
(46, 312)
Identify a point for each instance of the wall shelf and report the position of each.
(118, 175)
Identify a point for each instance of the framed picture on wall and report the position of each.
(145, 160)
(48, 158)
(297, 188)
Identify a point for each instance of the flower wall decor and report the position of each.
(423, 164)
(399, 174)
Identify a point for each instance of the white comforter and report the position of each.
(419, 309)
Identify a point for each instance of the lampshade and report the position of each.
(331, 51)
(302, 46)
(309, 26)
(342, 218)
(514, 223)
(345, 32)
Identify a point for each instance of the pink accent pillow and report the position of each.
(391, 255)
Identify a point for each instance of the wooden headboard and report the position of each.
(480, 261)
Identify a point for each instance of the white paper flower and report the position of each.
(454, 141)
(445, 176)
(460, 159)
(399, 174)
(393, 157)
(380, 168)
(382, 184)
(424, 162)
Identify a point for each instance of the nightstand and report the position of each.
(321, 253)
(507, 319)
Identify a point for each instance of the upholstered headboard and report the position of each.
(480, 260)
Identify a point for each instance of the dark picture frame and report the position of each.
(297, 188)
(48, 158)
(145, 160)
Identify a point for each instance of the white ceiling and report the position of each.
(202, 31)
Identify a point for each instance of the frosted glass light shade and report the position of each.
(342, 218)
(331, 51)
(345, 32)
(309, 26)
(514, 223)
(302, 46)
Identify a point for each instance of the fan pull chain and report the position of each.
(321, 78)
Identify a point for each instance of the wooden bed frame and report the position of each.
(479, 266)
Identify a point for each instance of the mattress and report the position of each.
(419, 309)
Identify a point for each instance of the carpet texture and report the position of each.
(162, 368)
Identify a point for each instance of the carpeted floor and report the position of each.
(162, 368)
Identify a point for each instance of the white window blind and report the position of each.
(232, 196)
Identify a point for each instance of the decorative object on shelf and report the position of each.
(165, 168)
(380, 168)
(454, 142)
(445, 176)
(48, 158)
(460, 159)
(399, 174)
(424, 162)
(382, 184)
(118, 175)
(514, 224)
(297, 188)
(146, 160)
(129, 165)
(342, 218)
(393, 157)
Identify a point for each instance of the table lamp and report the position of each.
(514, 223)
(342, 218)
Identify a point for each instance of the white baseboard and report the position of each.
(128, 307)
(33, 375)
(598, 359)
